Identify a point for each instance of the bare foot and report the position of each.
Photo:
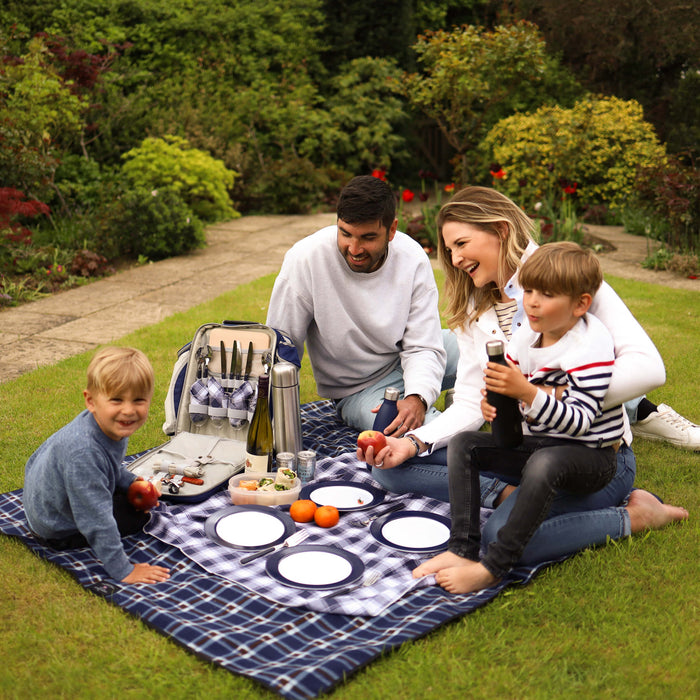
(440, 561)
(646, 511)
(466, 578)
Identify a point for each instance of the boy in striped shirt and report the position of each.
(559, 369)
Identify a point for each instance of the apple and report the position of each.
(143, 494)
(371, 438)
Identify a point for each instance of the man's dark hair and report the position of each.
(367, 198)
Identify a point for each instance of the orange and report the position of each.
(327, 516)
(302, 511)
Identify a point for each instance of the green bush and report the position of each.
(202, 182)
(155, 224)
(598, 144)
(670, 191)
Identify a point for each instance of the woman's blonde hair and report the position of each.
(491, 212)
(115, 370)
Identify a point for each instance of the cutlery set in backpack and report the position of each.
(208, 407)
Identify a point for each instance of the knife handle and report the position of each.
(256, 555)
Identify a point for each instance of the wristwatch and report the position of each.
(422, 400)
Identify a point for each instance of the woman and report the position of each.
(484, 238)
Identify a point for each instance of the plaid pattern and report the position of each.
(199, 401)
(296, 652)
(183, 527)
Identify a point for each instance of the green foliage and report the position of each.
(671, 191)
(366, 113)
(156, 224)
(683, 125)
(37, 112)
(599, 144)
(633, 51)
(200, 180)
(473, 77)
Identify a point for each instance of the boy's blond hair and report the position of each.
(114, 370)
(562, 268)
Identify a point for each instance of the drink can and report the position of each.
(285, 460)
(306, 465)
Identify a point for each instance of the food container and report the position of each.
(241, 496)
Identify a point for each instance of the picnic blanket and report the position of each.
(297, 652)
(184, 527)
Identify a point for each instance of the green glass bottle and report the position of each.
(259, 444)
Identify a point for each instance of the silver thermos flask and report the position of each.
(286, 412)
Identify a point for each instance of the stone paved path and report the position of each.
(239, 251)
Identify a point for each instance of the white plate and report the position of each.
(412, 531)
(249, 527)
(344, 495)
(314, 567)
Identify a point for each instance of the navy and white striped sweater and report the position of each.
(583, 360)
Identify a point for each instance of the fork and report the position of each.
(371, 578)
(298, 537)
(367, 521)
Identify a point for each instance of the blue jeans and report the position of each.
(545, 466)
(356, 410)
(428, 477)
(573, 523)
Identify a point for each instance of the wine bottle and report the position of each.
(259, 444)
(388, 410)
(507, 426)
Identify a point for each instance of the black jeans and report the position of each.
(543, 465)
(129, 521)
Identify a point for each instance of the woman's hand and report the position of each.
(488, 412)
(396, 452)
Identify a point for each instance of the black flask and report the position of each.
(507, 427)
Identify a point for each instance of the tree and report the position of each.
(474, 77)
(632, 50)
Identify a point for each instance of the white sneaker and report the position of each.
(667, 425)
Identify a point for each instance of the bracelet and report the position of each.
(415, 443)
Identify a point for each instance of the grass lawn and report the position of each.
(620, 621)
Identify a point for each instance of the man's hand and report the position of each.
(147, 573)
(411, 415)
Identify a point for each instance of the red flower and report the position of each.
(498, 174)
(571, 189)
(379, 173)
(450, 187)
(407, 196)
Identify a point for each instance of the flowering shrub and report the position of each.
(599, 144)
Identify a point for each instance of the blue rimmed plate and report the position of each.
(249, 527)
(314, 567)
(412, 531)
(346, 496)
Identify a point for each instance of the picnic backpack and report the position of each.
(209, 404)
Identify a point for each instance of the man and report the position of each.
(363, 297)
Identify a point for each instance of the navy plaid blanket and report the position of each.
(296, 651)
